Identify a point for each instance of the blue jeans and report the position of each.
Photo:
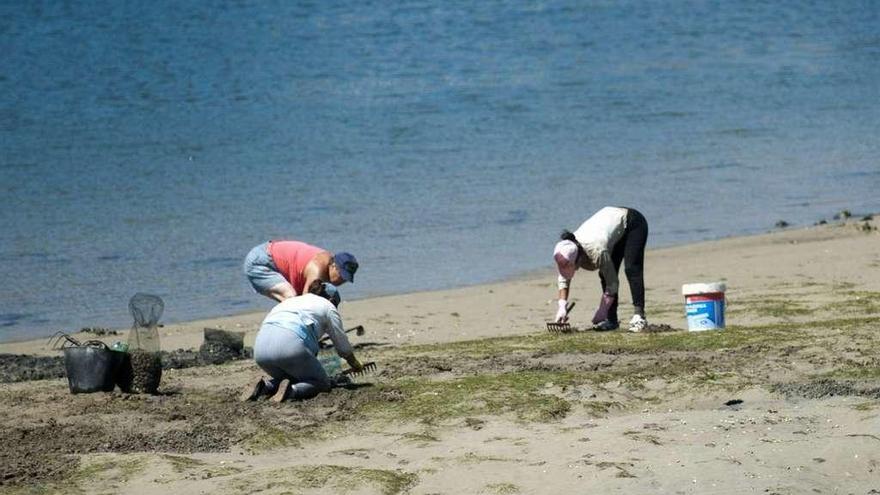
(260, 270)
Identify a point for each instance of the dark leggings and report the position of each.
(631, 250)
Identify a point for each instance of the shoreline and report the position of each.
(416, 317)
(524, 274)
(535, 273)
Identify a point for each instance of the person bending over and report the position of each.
(610, 237)
(283, 269)
(287, 347)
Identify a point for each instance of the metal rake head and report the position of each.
(554, 327)
(367, 368)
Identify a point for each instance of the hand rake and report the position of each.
(368, 368)
(554, 327)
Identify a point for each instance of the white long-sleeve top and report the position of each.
(597, 236)
(311, 317)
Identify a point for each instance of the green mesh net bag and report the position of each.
(143, 343)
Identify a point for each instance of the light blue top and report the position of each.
(311, 317)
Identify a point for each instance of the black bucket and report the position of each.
(90, 369)
(122, 374)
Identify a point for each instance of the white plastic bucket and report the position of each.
(704, 306)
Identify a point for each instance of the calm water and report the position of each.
(147, 146)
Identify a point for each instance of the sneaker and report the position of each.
(254, 390)
(606, 325)
(638, 323)
(283, 391)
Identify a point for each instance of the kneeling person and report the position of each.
(286, 347)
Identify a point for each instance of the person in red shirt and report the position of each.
(283, 269)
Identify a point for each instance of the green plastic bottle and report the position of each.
(119, 346)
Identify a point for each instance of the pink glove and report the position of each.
(605, 305)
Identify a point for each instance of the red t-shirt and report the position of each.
(291, 258)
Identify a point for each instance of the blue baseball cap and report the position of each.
(332, 293)
(347, 264)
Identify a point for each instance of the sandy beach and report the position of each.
(473, 395)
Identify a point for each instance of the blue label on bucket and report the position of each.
(705, 315)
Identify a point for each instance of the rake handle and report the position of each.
(358, 329)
